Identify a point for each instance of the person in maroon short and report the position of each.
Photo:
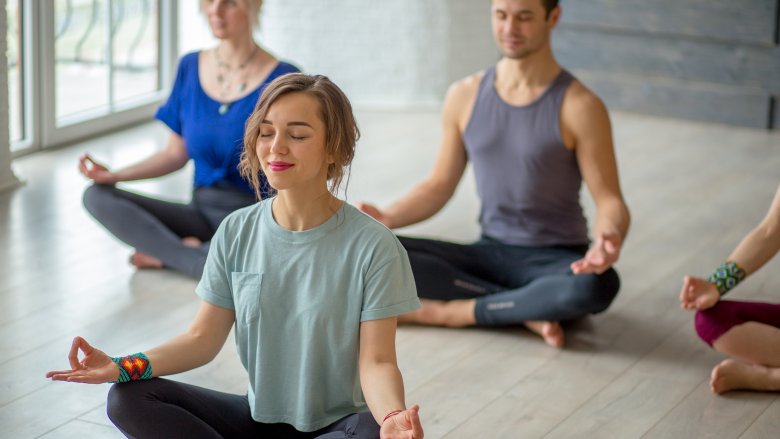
(749, 332)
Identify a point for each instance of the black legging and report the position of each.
(156, 227)
(511, 284)
(170, 409)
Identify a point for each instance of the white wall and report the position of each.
(7, 177)
(384, 54)
(194, 33)
(399, 53)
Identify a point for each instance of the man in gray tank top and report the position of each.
(533, 133)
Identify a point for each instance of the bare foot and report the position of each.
(191, 241)
(142, 260)
(451, 313)
(731, 374)
(551, 332)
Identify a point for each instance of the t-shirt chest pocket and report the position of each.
(246, 296)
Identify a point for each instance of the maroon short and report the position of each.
(716, 321)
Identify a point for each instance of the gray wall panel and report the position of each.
(752, 21)
(709, 60)
(744, 106)
(725, 63)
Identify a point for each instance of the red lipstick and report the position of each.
(280, 166)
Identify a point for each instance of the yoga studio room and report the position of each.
(402, 219)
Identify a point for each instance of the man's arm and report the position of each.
(585, 118)
(428, 197)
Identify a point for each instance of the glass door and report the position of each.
(95, 66)
(18, 119)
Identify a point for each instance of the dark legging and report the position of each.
(169, 409)
(156, 227)
(713, 322)
(511, 284)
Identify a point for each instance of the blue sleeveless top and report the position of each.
(213, 141)
(527, 181)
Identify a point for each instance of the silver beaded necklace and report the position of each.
(225, 76)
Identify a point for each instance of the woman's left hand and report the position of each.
(403, 425)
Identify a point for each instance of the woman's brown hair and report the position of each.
(341, 131)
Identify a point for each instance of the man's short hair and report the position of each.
(549, 5)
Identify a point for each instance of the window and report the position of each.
(81, 67)
(16, 72)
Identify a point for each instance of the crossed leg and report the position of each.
(490, 284)
(143, 260)
(750, 333)
(459, 313)
(756, 363)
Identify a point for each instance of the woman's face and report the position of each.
(291, 144)
(228, 18)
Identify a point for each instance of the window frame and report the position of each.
(38, 64)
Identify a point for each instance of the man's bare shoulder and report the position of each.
(460, 99)
(580, 98)
(584, 117)
(465, 88)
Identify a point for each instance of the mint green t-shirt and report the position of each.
(299, 298)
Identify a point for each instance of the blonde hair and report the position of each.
(253, 6)
(341, 130)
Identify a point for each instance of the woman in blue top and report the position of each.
(311, 285)
(214, 94)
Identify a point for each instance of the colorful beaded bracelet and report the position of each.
(727, 276)
(133, 367)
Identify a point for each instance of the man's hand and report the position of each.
(602, 254)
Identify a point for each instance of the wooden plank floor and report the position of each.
(637, 370)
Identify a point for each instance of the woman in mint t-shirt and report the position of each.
(311, 285)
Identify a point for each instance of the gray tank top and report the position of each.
(527, 181)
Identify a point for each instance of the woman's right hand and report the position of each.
(698, 293)
(96, 367)
(95, 171)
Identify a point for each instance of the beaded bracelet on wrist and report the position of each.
(133, 368)
(390, 415)
(727, 276)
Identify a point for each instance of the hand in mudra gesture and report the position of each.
(403, 425)
(94, 368)
(602, 254)
(95, 171)
(698, 293)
